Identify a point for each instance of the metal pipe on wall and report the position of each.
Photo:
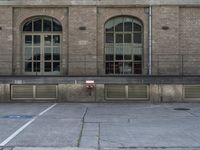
(150, 41)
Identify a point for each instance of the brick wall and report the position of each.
(190, 39)
(82, 42)
(166, 58)
(6, 40)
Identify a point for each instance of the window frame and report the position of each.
(134, 45)
(42, 46)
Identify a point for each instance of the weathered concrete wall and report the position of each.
(20, 16)
(154, 93)
(105, 14)
(76, 93)
(4, 93)
(171, 93)
(79, 93)
(82, 43)
(6, 39)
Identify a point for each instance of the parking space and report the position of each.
(10, 116)
(103, 126)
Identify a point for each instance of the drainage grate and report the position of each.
(17, 117)
(181, 109)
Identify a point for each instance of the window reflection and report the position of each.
(47, 25)
(37, 25)
(28, 26)
(28, 40)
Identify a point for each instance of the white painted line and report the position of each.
(17, 132)
(47, 109)
(24, 126)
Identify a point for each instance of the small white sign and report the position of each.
(18, 82)
(89, 81)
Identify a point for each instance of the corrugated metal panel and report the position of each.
(22, 91)
(192, 91)
(115, 91)
(137, 91)
(46, 91)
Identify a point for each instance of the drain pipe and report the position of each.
(150, 41)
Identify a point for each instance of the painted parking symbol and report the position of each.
(17, 117)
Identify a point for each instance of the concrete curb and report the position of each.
(51, 148)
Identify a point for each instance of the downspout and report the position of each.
(150, 41)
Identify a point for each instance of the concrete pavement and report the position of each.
(103, 126)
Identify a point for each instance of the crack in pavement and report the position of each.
(82, 126)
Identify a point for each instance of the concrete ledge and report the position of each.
(62, 3)
(100, 80)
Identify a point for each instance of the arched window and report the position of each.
(42, 46)
(123, 46)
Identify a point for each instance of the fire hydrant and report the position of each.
(89, 86)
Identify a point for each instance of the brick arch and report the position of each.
(39, 16)
(129, 16)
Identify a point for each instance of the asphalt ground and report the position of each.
(99, 126)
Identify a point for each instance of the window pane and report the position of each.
(47, 67)
(119, 57)
(56, 53)
(118, 68)
(36, 52)
(56, 26)
(28, 66)
(110, 26)
(28, 40)
(119, 49)
(137, 57)
(36, 67)
(56, 66)
(137, 27)
(128, 26)
(38, 25)
(56, 40)
(119, 38)
(47, 54)
(109, 68)
(28, 26)
(119, 52)
(128, 68)
(138, 68)
(109, 49)
(47, 40)
(118, 24)
(109, 57)
(127, 38)
(109, 38)
(36, 40)
(28, 53)
(47, 25)
(127, 57)
(137, 37)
